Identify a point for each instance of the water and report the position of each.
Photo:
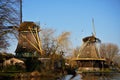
(97, 76)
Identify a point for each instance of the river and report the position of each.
(98, 76)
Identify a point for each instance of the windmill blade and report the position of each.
(93, 26)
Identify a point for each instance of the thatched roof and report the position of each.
(25, 26)
(12, 61)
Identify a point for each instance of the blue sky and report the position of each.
(76, 16)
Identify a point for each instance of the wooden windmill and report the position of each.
(28, 40)
(89, 47)
(89, 58)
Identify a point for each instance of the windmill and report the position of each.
(89, 48)
(88, 58)
(29, 42)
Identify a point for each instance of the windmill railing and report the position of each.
(100, 59)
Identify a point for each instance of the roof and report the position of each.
(89, 38)
(25, 26)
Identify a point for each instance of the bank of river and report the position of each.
(84, 76)
(102, 76)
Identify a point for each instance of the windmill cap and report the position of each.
(25, 26)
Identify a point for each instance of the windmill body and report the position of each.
(88, 58)
(28, 40)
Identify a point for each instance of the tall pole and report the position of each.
(20, 11)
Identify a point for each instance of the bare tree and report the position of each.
(63, 40)
(55, 46)
(52, 44)
(9, 16)
(9, 12)
(47, 40)
(109, 51)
